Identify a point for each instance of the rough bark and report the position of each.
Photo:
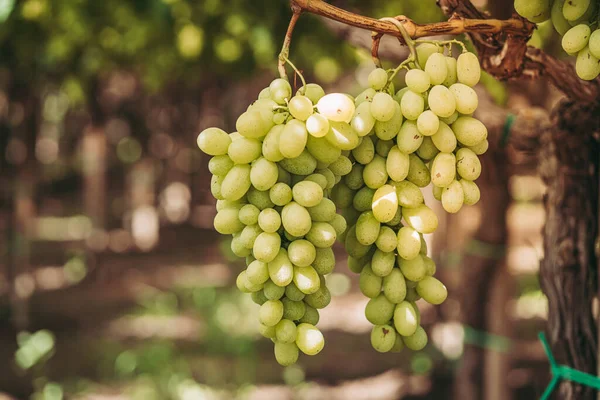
(568, 275)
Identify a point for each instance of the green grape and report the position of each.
(342, 166)
(220, 165)
(409, 194)
(264, 94)
(306, 279)
(280, 117)
(213, 141)
(418, 173)
(394, 286)
(293, 138)
(296, 219)
(594, 43)
(587, 66)
(353, 246)
(471, 192)
(450, 120)
(383, 107)
(443, 169)
(357, 265)
(248, 214)
(466, 98)
(385, 203)
(453, 197)
(424, 51)
(354, 180)
(285, 331)
(406, 318)
(280, 194)
(280, 90)
(444, 139)
(409, 243)
(319, 299)
(588, 15)
(409, 138)
(469, 131)
(387, 130)
(417, 80)
(365, 96)
(429, 264)
(451, 76)
(304, 164)
(414, 269)
(417, 341)
(269, 220)
(270, 312)
(286, 354)
(284, 176)
(244, 150)
(421, 218)
(382, 263)
(251, 124)
(574, 9)
(558, 19)
(300, 107)
(400, 93)
(266, 108)
(309, 339)
(227, 222)
(271, 290)
(395, 222)
(363, 199)
(307, 193)
(260, 199)
(367, 228)
(318, 179)
(383, 147)
(321, 234)
(468, 70)
(236, 182)
(263, 174)
(398, 344)
(436, 68)
(266, 246)
(365, 151)
(378, 78)
(281, 270)
(216, 184)
(240, 282)
(432, 290)
(326, 172)
(576, 38)
(369, 283)
(534, 10)
(468, 165)
(249, 235)
(375, 173)
(342, 136)
(441, 101)
(313, 91)
(379, 310)
(397, 164)
(383, 338)
(238, 248)
(412, 105)
(428, 123)
(293, 293)
(270, 145)
(387, 240)
(363, 121)
(257, 272)
(339, 225)
(324, 262)
(317, 125)
(342, 195)
(311, 316)
(427, 151)
(323, 212)
(323, 150)
(293, 310)
(223, 204)
(336, 107)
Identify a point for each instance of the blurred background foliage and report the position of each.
(113, 284)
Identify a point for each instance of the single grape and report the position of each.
(468, 70)
(587, 66)
(369, 283)
(424, 51)
(397, 164)
(342, 135)
(412, 104)
(441, 101)
(576, 38)
(270, 312)
(443, 169)
(293, 138)
(300, 107)
(286, 354)
(409, 138)
(309, 339)
(417, 80)
(385, 203)
(428, 123)
(266, 246)
(317, 125)
(236, 182)
(336, 107)
(417, 341)
(406, 318)
(394, 286)
(594, 43)
(436, 68)
(469, 131)
(379, 310)
(432, 290)
(214, 141)
(409, 194)
(387, 130)
(378, 78)
(421, 218)
(466, 98)
(313, 91)
(280, 90)
(375, 173)
(471, 192)
(453, 197)
(296, 219)
(382, 107)
(574, 9)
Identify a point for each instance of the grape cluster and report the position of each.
(272, 180)
(422, 135)
(574, 20)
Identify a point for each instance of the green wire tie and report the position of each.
(508, 123)
(560, 372)
(486, 340)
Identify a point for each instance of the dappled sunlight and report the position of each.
(449, 339)
(177, 327)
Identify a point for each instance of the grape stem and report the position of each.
(444, 42)
(287, 41)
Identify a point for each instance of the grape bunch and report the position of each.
(272, 180)
(577, 22)
(422, 135)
